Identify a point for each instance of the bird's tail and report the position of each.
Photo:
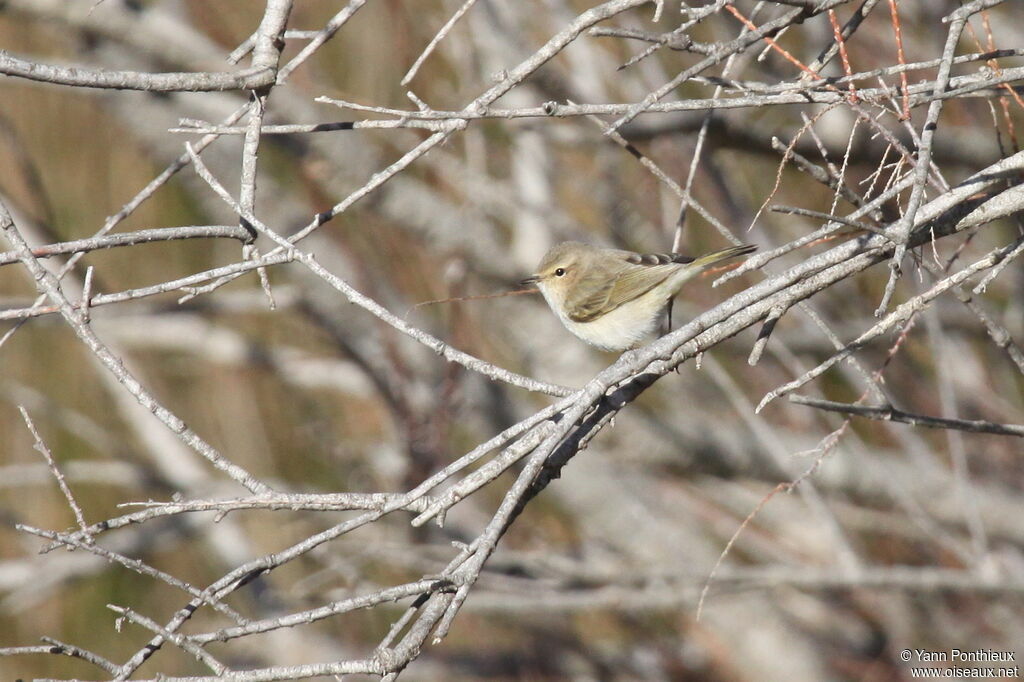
(709, 259)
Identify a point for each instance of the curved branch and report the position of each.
(159, 234)
(198, 81)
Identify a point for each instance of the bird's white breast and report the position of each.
(619, 329)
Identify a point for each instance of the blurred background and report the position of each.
(903, 538)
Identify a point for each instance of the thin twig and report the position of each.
(57, 474)
(429, 49)
(890, 413)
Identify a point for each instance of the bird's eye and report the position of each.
(559, 272)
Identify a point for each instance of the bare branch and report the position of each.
(247, 79)
(159, 234)
(890, 413)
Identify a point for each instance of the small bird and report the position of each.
(612, 298)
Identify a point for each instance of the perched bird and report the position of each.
(612, 298)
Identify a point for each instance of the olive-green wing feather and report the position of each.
(597, 294)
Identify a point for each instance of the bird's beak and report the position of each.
(532, 279)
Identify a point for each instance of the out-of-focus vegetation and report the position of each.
(903, 537)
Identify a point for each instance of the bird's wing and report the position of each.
(655, 258)
(596, 294)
